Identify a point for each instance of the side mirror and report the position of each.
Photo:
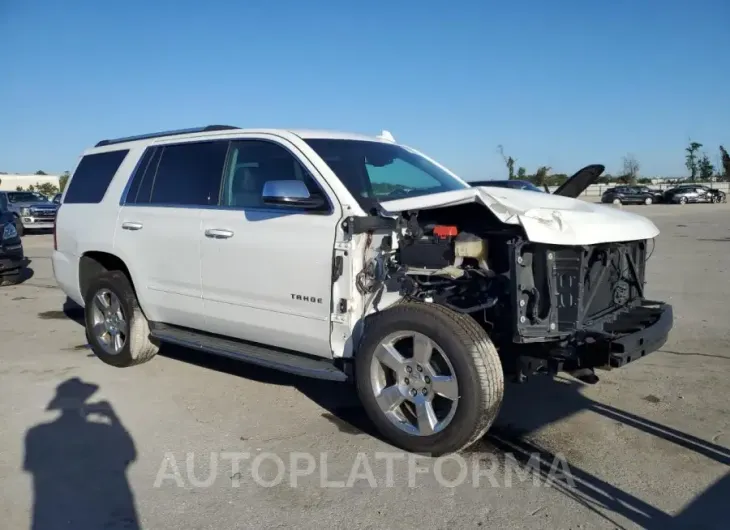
(290, 193)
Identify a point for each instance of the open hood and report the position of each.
(546, 218)
(579, 182)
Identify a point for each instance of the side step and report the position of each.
(278, 359)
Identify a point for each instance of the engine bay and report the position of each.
(522, 293)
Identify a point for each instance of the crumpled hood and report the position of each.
(546, 218)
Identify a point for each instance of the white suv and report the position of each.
(348, 257)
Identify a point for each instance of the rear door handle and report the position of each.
(131, 226)
(218, 233)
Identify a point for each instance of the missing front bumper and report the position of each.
(645, 330)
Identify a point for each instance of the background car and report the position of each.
(12, 260)
(694, 193)
(631, 195)
(515, 184)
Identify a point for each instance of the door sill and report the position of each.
(262, 355)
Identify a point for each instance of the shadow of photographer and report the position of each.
(79, 464)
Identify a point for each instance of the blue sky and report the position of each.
(562, 83)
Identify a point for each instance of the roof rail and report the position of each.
(207, 128)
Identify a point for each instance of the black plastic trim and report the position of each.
(207, 128)
(279, 359)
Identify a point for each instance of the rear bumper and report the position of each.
(12, 260)
(66, 273)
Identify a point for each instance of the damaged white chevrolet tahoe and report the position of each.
(347, 257)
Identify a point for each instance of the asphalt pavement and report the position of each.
(191, 441)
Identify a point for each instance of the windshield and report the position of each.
(25, 196)
(376, 172)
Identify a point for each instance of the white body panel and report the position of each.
(271, 281)
(163, 257)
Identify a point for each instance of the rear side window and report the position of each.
(140, 188)
(188, 174)
(93, 176)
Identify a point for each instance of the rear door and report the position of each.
(267, 270)
(159, 223)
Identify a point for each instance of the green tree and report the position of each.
(18, 188)
(541, 175)
(630, 171)
(691, 159)
(705, 168)
(509, 162)
(521, 173)
(39, 172)
(47, 188)
(63, 180)
(725, 163)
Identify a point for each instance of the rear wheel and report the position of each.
(617, 201)
(683, 200)
(429, 378)
(648, 201)
(116, 328)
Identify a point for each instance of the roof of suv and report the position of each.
(218, 130)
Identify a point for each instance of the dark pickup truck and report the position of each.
(12, 259)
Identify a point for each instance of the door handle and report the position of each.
(218, 233)
(131, 226)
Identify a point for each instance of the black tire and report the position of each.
(19, 227)
(11, 279)
(683, 200)
(476, 364)
(138, 348)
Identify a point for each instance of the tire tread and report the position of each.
(484, 357)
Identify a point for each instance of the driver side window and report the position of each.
(252, 163)
(397, 176)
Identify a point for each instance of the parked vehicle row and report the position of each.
(682, 194)
(31, 211)
(687, 193)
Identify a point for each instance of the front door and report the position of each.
(267, 270)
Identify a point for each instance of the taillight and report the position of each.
(55, 225)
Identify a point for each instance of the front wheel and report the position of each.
(116, 328)
(428, 377)
(648, 201)
(617, 201)
(683, 200)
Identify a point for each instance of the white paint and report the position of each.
(546, 218)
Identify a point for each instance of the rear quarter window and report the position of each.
(93, 176)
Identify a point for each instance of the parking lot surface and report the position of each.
(84, 445)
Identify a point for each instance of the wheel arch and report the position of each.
(93, 263)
